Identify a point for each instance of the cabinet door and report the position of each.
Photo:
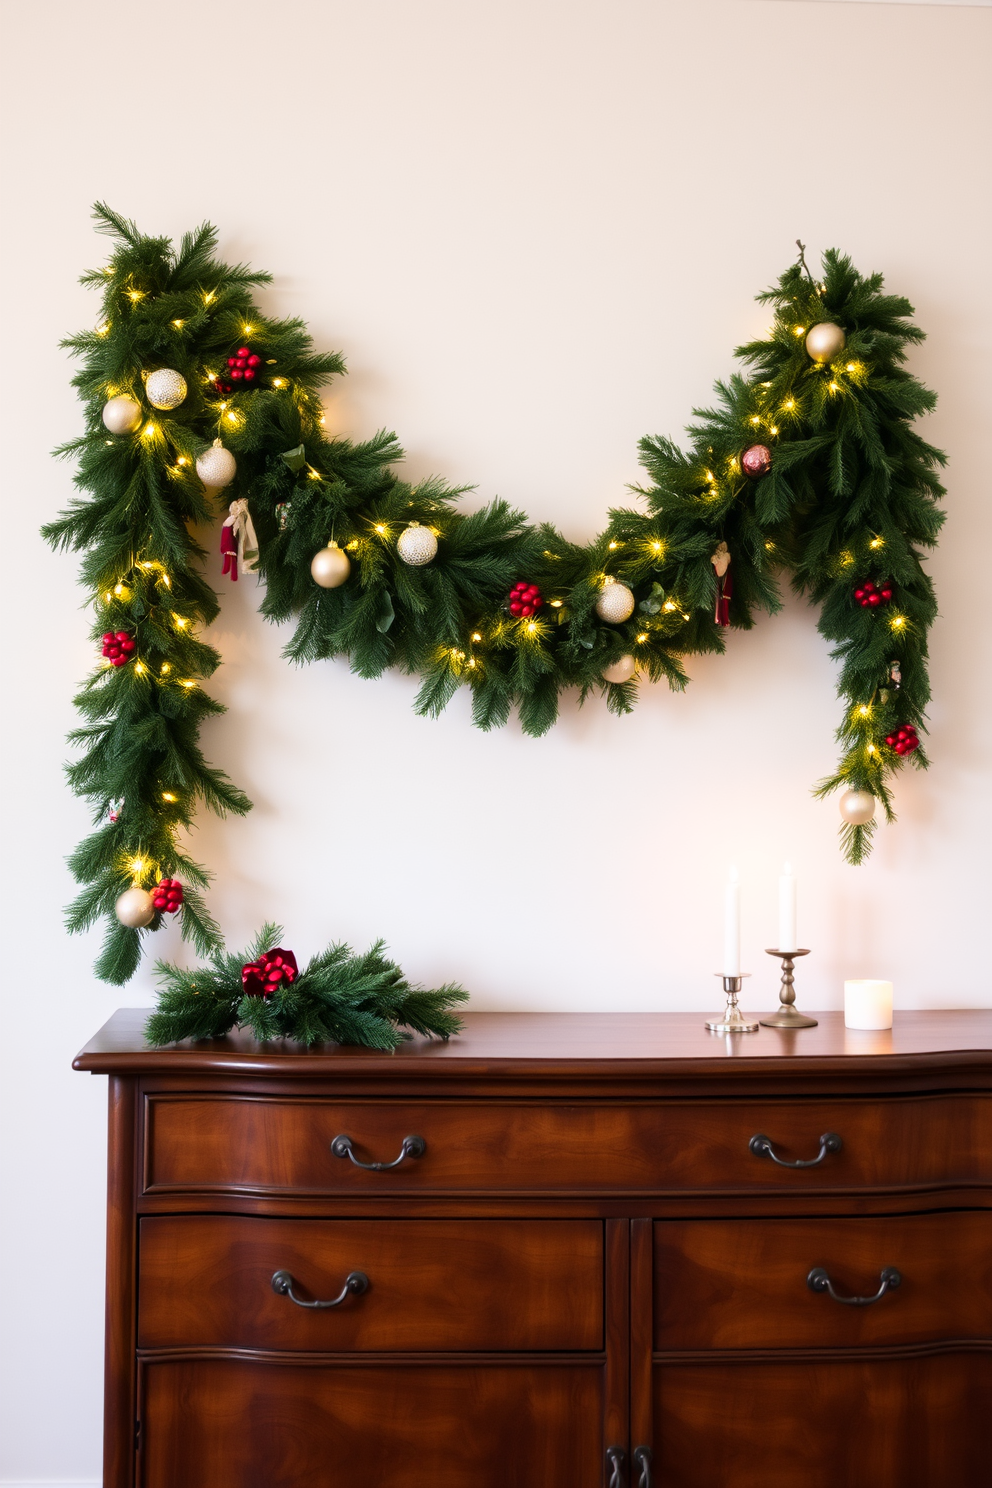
(271, 1423)
(743, 1376)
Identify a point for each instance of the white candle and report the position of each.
(732, 925)
(787, 910)
(867, 1004)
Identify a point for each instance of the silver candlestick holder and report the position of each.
(733, 1020)
(787, 1015)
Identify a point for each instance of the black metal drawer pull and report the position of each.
(614, 1461)
(642, 1456)
(355, 1284)
(411, 1147)
(819, 1281)
(761, 1146)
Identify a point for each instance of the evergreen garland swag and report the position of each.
(338, 998)
(806, 467)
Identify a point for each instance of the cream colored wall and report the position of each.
(535, 229)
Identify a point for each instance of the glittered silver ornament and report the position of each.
(825, 341)
(616, 602)
(135, 908)
(330, 567)
(620, 671)
(857, 807)
(122, 414)
(165, 388)
(416, 545)
(216, 467)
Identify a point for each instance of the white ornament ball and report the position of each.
(416, 545)
(135, 908)
(216, 467)
(620, 671)
(122, 414)
(825, 341)
(165, 388)
(857, 807)
(330, 567)
(616, 603)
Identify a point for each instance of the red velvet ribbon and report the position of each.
(275, 968)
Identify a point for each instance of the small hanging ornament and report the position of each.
(870, 595)
(273, 969)
(122, 414)
(115, 810)
(756, 461)
(825, 341)
(525, 600)
(616, 602)
(724, 584)
(135, 908)
(330, 567)
(905, 740)
(895, 673)
(167, 896)
(857, 807)
(165, 388)
(238, 542)
(619, 671)
(118, 646)
(216, 467)
(416, 545)
(282, 515)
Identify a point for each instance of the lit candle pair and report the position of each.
(787, 940)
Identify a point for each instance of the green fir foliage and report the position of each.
(338, 998)
(851, 494)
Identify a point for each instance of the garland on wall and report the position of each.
(807, 467)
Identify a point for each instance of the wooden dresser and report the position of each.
(562, 1251)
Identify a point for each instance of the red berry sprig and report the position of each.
(167, 895)
(904, 740)
(117, 647)
(525, 599)
(870, 595)
(243, 370)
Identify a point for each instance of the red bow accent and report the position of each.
(276, 968)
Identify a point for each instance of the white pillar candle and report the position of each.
(787, 910)
(732, 925)
(867, 1004)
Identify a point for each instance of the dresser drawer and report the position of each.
(743, 1284)
(286, 1145)
(432, 1285)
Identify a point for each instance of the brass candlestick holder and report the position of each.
(787, 1014)
(733, 1020)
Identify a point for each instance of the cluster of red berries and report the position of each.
(117, 647)
(870, 595)
(167, 895)
(904, 740)
(244, 367)
(525, 599)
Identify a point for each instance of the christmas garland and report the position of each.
(338, 998)
(808, 466)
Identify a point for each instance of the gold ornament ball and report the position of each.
(216, 467)
(122, 414)
(135, 908)
(825, 341)
(616, 603)
(857, 807)
(416, 545)
(330, 567)
(165, 388)
(620, 671)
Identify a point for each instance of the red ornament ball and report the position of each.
(870, 595)
(118, 646)
(756, 461)
(167, 895)
(524, 601)
(904, 741)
